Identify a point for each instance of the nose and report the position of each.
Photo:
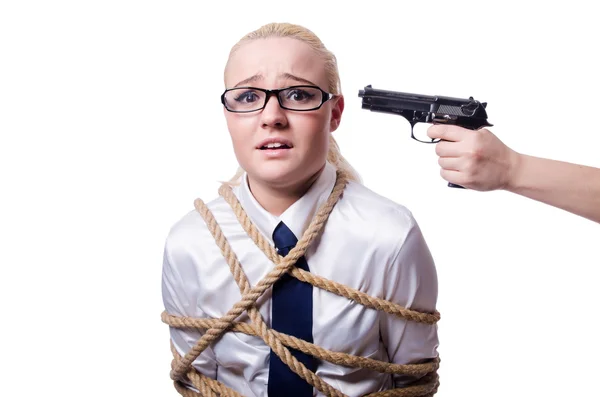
(273, 115)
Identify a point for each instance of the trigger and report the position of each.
(421, 134)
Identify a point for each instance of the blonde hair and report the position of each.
(334, 156)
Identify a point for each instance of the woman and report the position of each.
(282, 103)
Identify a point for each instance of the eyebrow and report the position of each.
(296, 78)
(287, 76)
(249, 80)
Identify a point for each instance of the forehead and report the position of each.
(271, 60)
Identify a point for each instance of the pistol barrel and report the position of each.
(470, 111)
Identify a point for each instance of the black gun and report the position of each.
(415, 108)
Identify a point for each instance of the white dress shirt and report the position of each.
(368, 243)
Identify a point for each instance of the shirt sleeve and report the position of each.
(411, 283)
(179, 300)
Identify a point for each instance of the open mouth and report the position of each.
(275, 146)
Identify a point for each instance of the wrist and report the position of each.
(514, 170)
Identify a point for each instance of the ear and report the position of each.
(336, 112)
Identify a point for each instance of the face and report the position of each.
(276, 63)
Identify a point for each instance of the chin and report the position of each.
(276, 173)
(276, 177)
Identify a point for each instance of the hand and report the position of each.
(476, 160)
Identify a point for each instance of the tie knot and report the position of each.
(284, 238)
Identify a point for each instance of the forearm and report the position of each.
(572, 187)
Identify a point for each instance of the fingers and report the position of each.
(451, 133)
(467, 158)
(452, 170)
(453, 177)
(448, 149)
(450, 163)
(455, 141)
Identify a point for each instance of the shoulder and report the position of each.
(191, 231)
(374, 207)
(369, 219)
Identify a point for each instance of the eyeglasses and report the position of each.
(251, 99)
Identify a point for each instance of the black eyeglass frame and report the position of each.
(325, 96)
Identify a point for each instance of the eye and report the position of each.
(247, 97)
(299, 95)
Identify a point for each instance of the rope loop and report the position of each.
(181, 366)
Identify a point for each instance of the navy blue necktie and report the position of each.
(292, 314)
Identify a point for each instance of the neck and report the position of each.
(276, 198)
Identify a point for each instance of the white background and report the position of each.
(111, 126)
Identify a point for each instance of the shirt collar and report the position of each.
(299, 215)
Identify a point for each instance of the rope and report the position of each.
(181, 366)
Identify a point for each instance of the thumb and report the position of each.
(452, 133)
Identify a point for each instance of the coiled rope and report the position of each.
(181, 366)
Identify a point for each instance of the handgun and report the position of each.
(416, 108)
